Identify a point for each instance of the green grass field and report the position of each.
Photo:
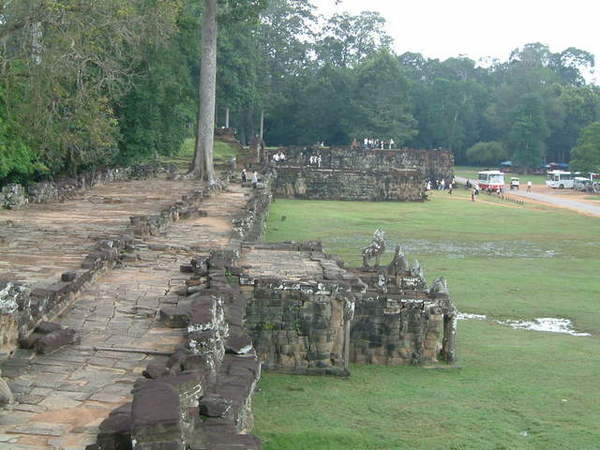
(514, 389)
(471, 172)
(222, 152)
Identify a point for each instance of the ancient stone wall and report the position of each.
(436, 164)
(297, 328)
(400, 320)
(346, 184)
(298, 319)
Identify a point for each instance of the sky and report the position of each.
(482, 28)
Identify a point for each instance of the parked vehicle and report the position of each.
(491, 180)
(558, 179)
(514, 183)
(582, 184)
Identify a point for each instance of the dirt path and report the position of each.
(554, 198)
(63, 397)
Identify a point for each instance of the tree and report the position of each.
(381, 103)
(346, 40)
(202, 165)
(156, 114)
(67, 64)
(585, 156)
(528, 131)
(487, 153)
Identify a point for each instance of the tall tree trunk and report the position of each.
(203, 157)
(226, 117)
(262, 125)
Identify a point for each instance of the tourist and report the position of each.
(281, 156)
(319, 161)
(244, 176)
(428, 186)
(392, 143)
(474, 194)
(254, 179)
(443, 185)
(529, 186)
(450, 187)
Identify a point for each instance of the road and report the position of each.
(559, 202)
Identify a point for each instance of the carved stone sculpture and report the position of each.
(375, 249)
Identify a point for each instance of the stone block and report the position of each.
(155, 414)
(213, 405)
(55, 340)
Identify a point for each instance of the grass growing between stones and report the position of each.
(515, 388)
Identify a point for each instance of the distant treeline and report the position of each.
(86, 83)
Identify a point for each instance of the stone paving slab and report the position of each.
(280, 264)
(39, 243)
(63, 396)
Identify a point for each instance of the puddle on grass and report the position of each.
(467, 316)
(457, 249)
(548, 324)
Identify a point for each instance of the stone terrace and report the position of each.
(39, 243)
(62, 397)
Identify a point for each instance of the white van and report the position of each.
(558, 179)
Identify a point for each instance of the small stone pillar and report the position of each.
(449, 341)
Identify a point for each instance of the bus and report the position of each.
(560, 179)
(491, 180)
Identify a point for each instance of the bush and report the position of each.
(487, 153)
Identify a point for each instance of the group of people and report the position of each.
(315, 160)
(440, 185)
(370, 144)
(278, 157)
(244, 177)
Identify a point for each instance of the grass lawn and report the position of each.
(471, 172)
(222, 152)
(514, 389)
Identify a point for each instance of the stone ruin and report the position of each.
(200, 397)
(399, 320)
(287, 307)
(300, 306)
(306, 314)
(316, 173)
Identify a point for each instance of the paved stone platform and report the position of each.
(63, 397)
(280, 264)
(38, 243)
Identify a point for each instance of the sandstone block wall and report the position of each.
(400, 320)
(435, 164)
(300, 304)
(396, 331)
(297, 328)
(346, 184)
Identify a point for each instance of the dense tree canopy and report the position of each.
(586, 155)
(90, 82)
